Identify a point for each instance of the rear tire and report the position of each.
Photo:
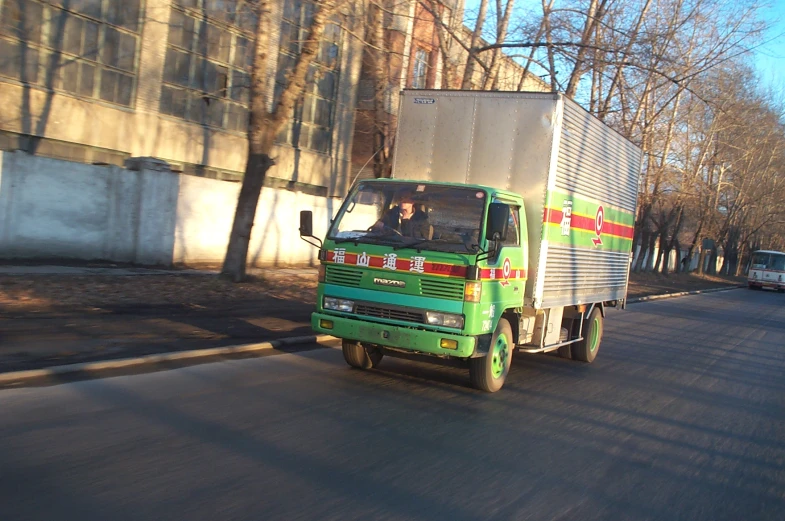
(489, 372)
(359, 356)
(586, 350)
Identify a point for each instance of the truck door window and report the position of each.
(514, 228)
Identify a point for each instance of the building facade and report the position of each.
(98, 81)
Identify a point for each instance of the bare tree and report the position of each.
(264, 124)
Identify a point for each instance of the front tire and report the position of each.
(586, 350)
(489, 372)
(359, 356)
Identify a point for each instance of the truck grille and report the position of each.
(444, 289)
(390, 313)
(343, 276)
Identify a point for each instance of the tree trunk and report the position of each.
(595, 13)
(381, 84)
(741, 259)
(264, 126)
(712, 262)
(649, 265)
(471, 60)
(503, 22)
(666, 260)
(546, 14)
(237, 252)
(644, 245)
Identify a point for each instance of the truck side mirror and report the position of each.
(306, 229)
(306, 223)
(498, 221)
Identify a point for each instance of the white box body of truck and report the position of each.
(578, 177)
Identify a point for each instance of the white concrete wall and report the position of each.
(205, 211)
(51, 208)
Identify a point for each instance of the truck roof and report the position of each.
(489, 189)
(769, 251)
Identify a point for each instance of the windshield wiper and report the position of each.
(411, 244)
(366, 240)
(473, 248)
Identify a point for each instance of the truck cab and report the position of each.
(423, 268)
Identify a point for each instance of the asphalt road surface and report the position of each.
(682, 416)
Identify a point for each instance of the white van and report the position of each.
(767, 270)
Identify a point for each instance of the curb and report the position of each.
(18, 376)
(681, 294)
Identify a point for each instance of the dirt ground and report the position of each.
(55, 292)
(644, 284)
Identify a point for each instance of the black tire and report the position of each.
(586, 350)
(359, 356)
(489, 372)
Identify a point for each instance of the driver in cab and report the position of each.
(405, 218)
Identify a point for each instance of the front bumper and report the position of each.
(766, 285)
(412, 340)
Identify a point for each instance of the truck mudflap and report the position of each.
(404, 338)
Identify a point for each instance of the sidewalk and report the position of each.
(55, 315)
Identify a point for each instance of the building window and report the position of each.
(208, 56)
(420, 74)
(312, 124)
(87, 48)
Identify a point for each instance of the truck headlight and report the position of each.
(444, 319)
(338, 304)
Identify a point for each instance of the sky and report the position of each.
(769, 58)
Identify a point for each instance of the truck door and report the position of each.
(505, 275)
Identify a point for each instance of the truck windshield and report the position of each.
(433, 217)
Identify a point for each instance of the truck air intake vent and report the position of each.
(343, 276)
(444, 289)
(389, 313)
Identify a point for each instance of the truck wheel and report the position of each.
(489, 372)
(357, 355)
(586, 350)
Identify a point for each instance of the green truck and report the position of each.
(506, 226)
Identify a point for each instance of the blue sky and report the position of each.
(769, 58)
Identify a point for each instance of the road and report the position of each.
(682, 416)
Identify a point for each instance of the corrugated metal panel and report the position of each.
(578, 276)
(597, 163)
